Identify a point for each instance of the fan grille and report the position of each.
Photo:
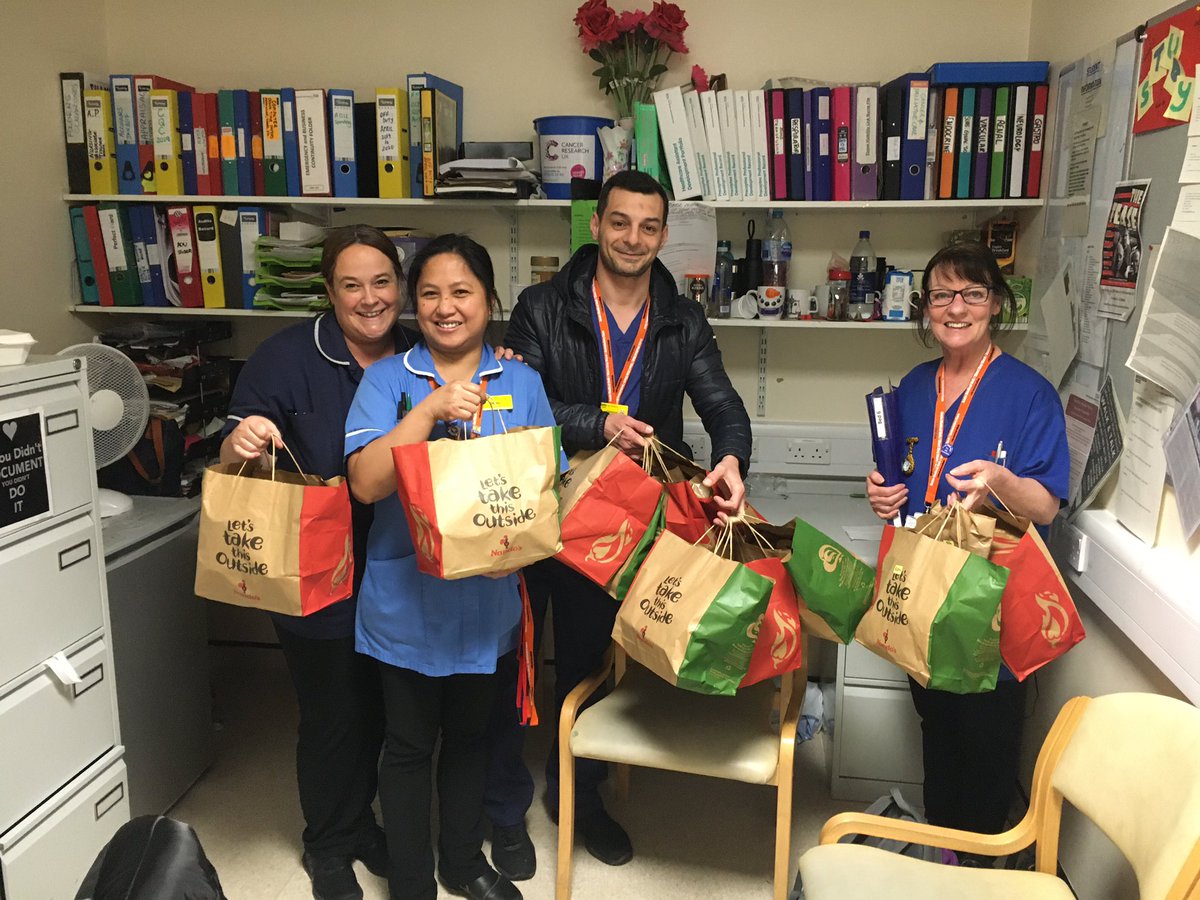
(120, 403)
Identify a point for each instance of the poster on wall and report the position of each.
(1121, 255)
(1170, 50)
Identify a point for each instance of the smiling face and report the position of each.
(452, 306)
(631, 232)
(961, 328)
(365, 294)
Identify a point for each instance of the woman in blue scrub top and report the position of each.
(978, 422)
(437, 642)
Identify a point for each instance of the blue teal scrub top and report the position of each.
(405, 617)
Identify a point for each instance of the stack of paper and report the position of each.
(506, 177)
(288, 273)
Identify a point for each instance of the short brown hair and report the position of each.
(338, 239)
(972, 261)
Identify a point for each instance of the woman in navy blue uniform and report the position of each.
(295, 389)
(437, 643)
(978, 422)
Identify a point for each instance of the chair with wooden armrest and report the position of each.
(1129, 762)
(647, 722)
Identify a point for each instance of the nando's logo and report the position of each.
(1055, 619)
(830, 556)
(608, 547)
(424, 533)
(787, 638)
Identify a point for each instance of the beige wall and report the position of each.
(516, 61)
(40, 39)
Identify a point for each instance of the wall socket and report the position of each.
(809, 452)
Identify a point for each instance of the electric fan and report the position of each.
(119, 408)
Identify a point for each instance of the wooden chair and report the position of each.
(647, 722)
(1129, 762)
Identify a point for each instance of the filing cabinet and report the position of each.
(63, 789)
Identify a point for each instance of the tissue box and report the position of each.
(14, 347)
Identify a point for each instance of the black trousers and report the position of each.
(583, 622)
(338, 741)
(970, 744)
(420, 709)
(509, 789)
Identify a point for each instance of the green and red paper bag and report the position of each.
(608, 504)
(489, 504)
(1038, 618)
(277, 541)
(832, 584)
(691, 616)
(934, 612)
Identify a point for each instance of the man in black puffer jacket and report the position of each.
(617, 347)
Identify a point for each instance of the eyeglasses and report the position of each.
(973, 296)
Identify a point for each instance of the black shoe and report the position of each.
(489, 886)
(373, 853)
(605, 839)
(512, 852)
(332, 878)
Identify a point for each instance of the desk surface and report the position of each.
(150, 517)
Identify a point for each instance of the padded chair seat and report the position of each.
(647, 722)
(838, 871)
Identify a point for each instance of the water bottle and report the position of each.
(776, 252)
(862, 279)
(722, 289)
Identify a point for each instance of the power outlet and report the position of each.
(701, 447)
(809, 452)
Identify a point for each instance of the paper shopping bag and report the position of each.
(935, 612)
(483, 505)
(608, 504)
(832, 584)
(778, 648)
(690, 616)
(1038, 618)
(276, 541)
(690, 508)
(958, 526)
(621, 581)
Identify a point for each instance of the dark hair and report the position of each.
(338, 239)
(470, 251)
(638, 183)
(971, 261)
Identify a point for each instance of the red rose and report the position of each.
(597, 24)
(667, 23)
(630, 20)
(699, 79)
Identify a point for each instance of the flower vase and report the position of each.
(617, 144)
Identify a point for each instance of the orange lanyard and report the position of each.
(942, 448)
(477, 422)
(616, 387)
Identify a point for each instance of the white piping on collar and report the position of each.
(497, 368)
(317, 340)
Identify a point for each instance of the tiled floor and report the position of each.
(693, 837)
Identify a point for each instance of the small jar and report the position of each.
(542, 268)
(697, 288)
(839, 295)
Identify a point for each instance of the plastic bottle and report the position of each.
(862, 279)
(776, 252)
(722, 288)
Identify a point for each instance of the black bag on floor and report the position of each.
(152, 858)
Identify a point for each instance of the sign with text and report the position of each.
(24, 484)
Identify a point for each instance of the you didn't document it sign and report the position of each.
(24, 484)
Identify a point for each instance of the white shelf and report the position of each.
(220, 313)
(501, 203)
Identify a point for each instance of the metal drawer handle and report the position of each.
(63, 421)
(76, 553)
(89, 680)
(111, 799)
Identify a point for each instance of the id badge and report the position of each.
(619, 408)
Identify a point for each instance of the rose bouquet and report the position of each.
(632, 47)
